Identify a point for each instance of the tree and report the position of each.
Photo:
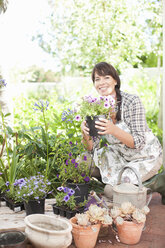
(81, 33)
(3, 6)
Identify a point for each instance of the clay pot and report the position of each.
(130, 232)
(84, 236)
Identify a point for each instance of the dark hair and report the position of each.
(103, 69)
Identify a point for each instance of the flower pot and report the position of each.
(13, 239)
(81, 191)
(35, 207)
(130, 232)
(15, 206)
(91, 124)
(84, 236)
(46, 231)
(62, 211)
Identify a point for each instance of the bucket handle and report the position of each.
(136, 173)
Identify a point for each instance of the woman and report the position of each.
(131, 142)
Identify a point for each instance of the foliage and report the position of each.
(3, 5)
(87, 32)
(74, 165)
(92, 106)
(35, 74)
(25, 189)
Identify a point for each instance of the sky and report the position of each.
(17, 26)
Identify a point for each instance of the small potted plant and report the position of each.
(129, 221)
(66, 205)
(86, 226)
(32, 191)
(92, 108)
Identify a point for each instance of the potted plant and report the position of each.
(66, 205)
(92, 108)
(32, 191)
(75, 171)
(86, 226)
(129, 221)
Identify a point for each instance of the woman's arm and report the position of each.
(107, 127)
(87, 140)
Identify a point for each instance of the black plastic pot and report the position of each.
(62, 211)
(81, 191)
(16, 207)
(91, 124)
(35, 207)
(13, 239)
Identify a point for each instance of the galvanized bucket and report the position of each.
(139, 195)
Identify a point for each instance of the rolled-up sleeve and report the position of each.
(137, 122)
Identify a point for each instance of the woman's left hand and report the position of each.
(105, 126)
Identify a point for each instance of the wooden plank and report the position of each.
(10, 220)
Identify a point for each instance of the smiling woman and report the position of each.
(132, 143)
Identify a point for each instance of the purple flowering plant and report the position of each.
(25, 189)
(92, 106)
(75, 166)
(65, 197)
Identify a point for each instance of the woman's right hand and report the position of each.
(85, 129)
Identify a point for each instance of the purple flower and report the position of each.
(65, 170)
(70, 143)
(105, 145)
(7, 183)
(71, 191)
(60, 188)
(83, 174)
(70, 154)
(85, 158)
(73, 161)
(57, 175)
(66, 162)
(2, 83)
(66, 190)
(78, 118)
(76, 165)
(66, 198)
(1, 173)
(86, 179)
(106, 105)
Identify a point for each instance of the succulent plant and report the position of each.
(128, 212)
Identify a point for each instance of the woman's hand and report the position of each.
(105, 126)
(84, 128)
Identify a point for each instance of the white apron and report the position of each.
(110, 160)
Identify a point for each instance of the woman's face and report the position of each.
(105, 85)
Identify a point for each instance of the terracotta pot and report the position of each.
(130, 232)
(84, 236)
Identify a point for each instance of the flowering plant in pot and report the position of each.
(86, 226)
(32, 191)
(66, 203)
(91, 108)
(129, 221)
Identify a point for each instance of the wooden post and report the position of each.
(164, 83)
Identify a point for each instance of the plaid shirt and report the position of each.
(134, 116)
